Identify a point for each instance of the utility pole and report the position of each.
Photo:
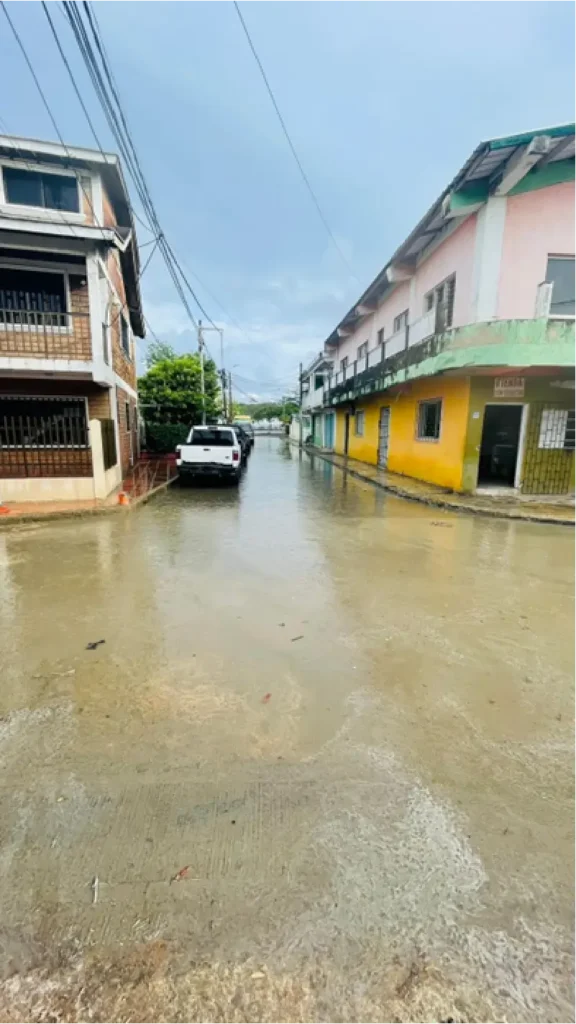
(227, 416)
(201, 330)
(202, 383)
(230, 401)
(300, 410)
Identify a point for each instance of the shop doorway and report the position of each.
(384, 436)
(329, 430)
(500, 445)
(346, 433)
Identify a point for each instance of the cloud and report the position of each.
(264, 356)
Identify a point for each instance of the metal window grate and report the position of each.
(549, 453)
(43, 423)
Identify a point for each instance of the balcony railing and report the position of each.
(369, 367)
(29, 333)
(312, 399)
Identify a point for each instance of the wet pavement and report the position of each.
(320, 769)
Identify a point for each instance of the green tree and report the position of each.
(281, 410)
(157, 352)
(170, 391)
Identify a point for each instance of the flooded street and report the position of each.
(320, 769)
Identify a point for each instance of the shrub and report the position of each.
(163, 437)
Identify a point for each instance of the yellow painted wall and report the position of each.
(364, 448)
(438, 462)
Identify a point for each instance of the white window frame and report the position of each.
(126, 321)
(433, 292)
(429, 401)
(359, 422)
(41, 269)
(40, 212)
(362, 351)
(558, 256)
(400, 321)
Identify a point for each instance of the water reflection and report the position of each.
(381, 691)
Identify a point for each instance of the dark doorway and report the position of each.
(346, 433)
(499, 446)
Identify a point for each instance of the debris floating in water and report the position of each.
(95, 889)
(266, 698)
(180, 874)
(295, 638)
(93, 644)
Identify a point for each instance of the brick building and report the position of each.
(70, 307)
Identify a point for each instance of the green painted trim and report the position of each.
(469, 195)
(541, 177)
(508, 344)
(557, 132)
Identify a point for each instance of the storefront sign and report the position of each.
(509, 387)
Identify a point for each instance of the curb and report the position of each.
(20, 518)
(439, 502)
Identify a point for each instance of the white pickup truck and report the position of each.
(210, 451)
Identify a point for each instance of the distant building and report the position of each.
(314, 423)
(456, 365)
(69, 310)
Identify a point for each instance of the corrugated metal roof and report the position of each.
(486, 162)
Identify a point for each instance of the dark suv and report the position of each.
(246, 439)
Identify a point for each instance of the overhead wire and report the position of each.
(109, 99)
(71, 75)
(105, 85)
(48, 109)
(129, 150)
(288, 138)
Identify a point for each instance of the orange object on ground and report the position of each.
(123, 498)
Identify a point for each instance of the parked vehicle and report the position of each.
(248, 429)
(210, 451)
(246, 441)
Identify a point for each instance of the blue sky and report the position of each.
(384, 102)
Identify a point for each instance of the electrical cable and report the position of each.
(119, 127)
(303, 174)
(127, 145)
(49, 112)
(117, 121)
(71, 76)
(125, 305)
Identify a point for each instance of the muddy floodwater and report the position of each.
(320, 769)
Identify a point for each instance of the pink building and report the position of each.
(481, 290)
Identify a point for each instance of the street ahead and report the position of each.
(319, 769)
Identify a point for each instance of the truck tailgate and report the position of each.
(209, 454)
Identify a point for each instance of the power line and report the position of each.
(71, 76)
(50, 115)
(303, 174)
(109, 99)
(107, 92)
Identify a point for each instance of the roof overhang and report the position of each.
(502, 166)
(123, 236)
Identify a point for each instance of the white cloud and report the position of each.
(264, 356)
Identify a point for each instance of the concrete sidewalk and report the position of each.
(557, 509)
(39, 511)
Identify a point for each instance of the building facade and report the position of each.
(70, 309)
(456, 365)
(315, 424)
